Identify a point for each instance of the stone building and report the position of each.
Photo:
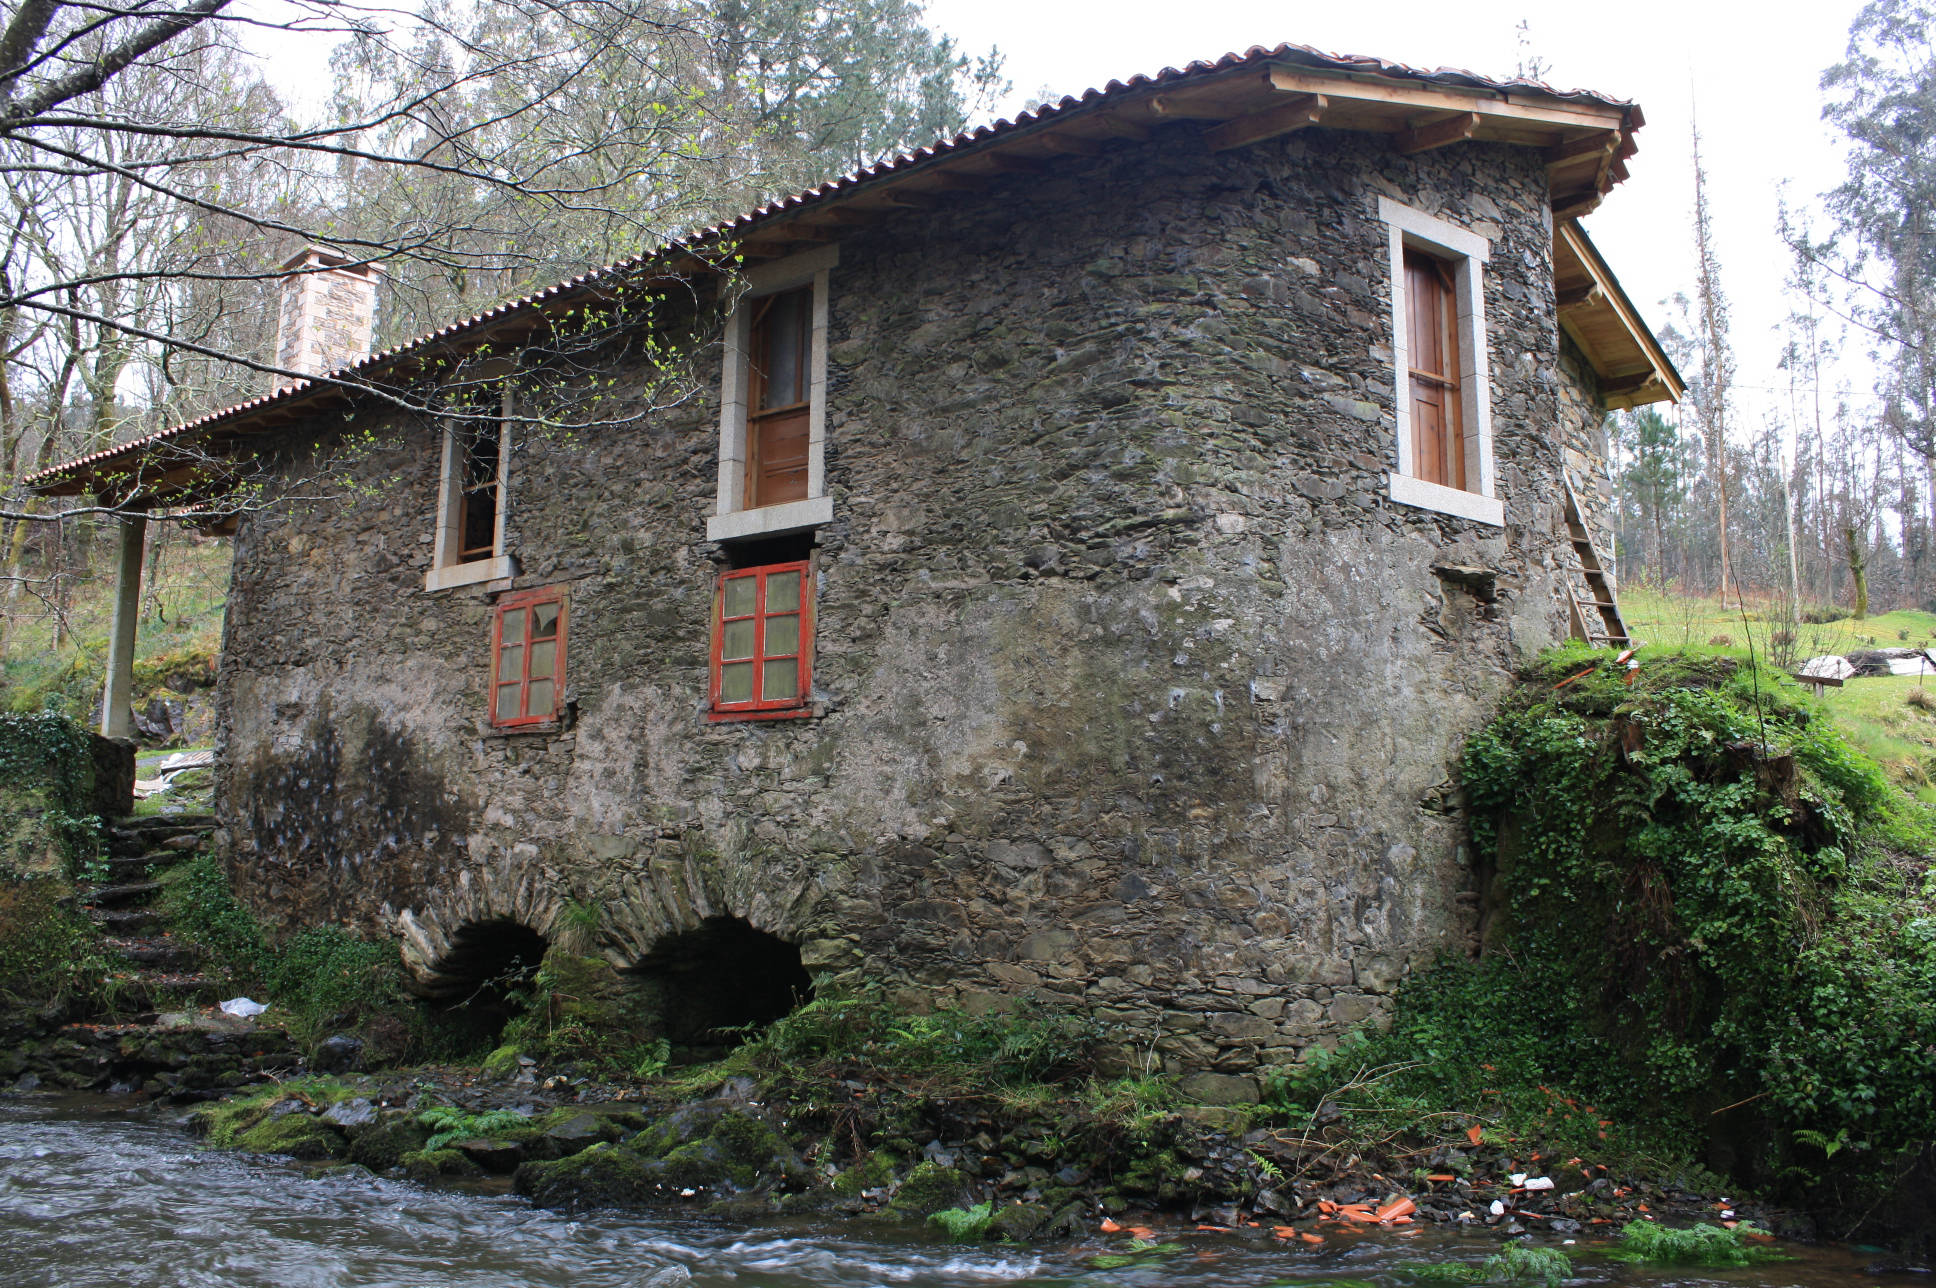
(1073, 571)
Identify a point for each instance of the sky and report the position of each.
(1748, 72)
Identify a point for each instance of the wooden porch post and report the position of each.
(117, 712)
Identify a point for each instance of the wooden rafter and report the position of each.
(1302, 111)
(1454, 127)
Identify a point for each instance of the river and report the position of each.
(92, 1196)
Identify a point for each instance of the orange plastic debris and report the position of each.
(1312, 1238)
(1394, 1210)
(1473, 1133)
(1110, 1227)
(1326, 1205)
(1442, 1177)
(1213, 1229)
(1142, 1232)
(1285, 1231)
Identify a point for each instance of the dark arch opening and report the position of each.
(483, 981)
(707, 987)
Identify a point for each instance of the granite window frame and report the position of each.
(1464, 254)
(733, 519)
(448, 568)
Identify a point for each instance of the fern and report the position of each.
(449, 1123)
(965, 1225)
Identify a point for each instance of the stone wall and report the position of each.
(1137, 689)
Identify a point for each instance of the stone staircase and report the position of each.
(160, 973)
(159, 1034)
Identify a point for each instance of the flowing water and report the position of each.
(94, 1197)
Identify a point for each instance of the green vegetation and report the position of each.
(1708, 918)
(50, 953)
(42, 669)
(1520, 1263)
(964, 1225)
(448, 1123)
(322, 979)
(47, 823)
(1698, 1245)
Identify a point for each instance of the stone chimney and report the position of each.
(328, 308)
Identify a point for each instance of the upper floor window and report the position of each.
(1440, 363)
(763, 642)
(469, 542)
(780, 411)
(773, 412)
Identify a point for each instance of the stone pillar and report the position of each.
(117, 715)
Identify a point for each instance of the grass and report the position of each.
(1878, 714)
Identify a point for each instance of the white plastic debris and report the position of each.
(1539, 1182)
(1498, 1208)
(1517, 1178)
(243, 1008)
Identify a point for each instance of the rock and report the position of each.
(296, 1134)
(351, 1113)
(1019, 1222)
(1219, 1089)
(602, 1176)
(499, 1156)
(930, 1188)
(383, 1146)
(338, 1054)
(579, 1132)
(425, 1166)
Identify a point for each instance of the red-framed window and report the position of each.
(763, 642)
(527, 658)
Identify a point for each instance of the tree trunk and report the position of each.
(1858, 569)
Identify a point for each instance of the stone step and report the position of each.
(127, 921)
(176, 844)
(121, 896)
(168, 991)
(158, 952)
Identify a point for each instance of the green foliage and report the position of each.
(1520, 1263)
(1027, 1043)
(46, 796)
(448, 1123)
(965, 1224)
(322, 977)
(1698, 1245)
(49, 951)
(1694, 904)
(1142, 1252)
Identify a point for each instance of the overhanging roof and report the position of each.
(1633, 369)
(1237, 100)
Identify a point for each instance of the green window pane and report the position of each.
(539, 703)
(782, 635)
(507, 702)
(542, 656)
(509, 663)
(736, 682)
(783, 592)
(781, 680)
(544, 621)
(514, 627)
(740, 596)
(738, 641)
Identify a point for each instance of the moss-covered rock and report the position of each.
(602, 1176)
(1018, 1222)
(871, 1173)
(383, 1146)
(929, 1188)
(427, 1165)
(298, 1135)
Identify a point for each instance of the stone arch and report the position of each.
(706, 987)
(476, 985)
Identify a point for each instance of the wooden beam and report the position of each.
(1070, 145)
(1301, 112)
(1293, 81)
(1169, 107)
(1114, 126)
(1587, 145)
(1579, 297)
(1003, 163)
(1612, 385)
(1574, 205)
(1456, 127)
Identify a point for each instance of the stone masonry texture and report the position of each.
(1136, 688)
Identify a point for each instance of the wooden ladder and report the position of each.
(1596, 617)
